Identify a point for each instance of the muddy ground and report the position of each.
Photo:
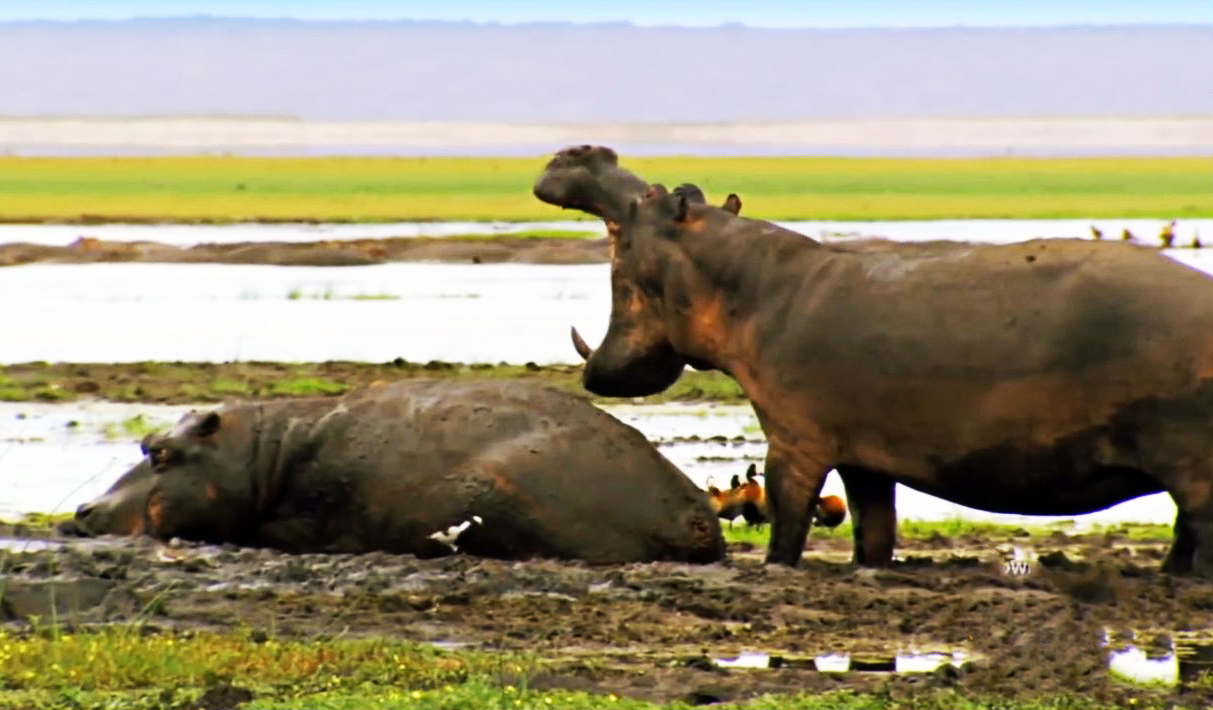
(353, 252)
(471, 249)
(190, 382)
(653, 631)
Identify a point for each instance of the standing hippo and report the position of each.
(518, 470)
(1049, 377)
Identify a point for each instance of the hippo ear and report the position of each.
(209, 425)
(732, 203)
(680, 207)
(692, 193)
(751, 471)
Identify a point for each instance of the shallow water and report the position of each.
(210, 312)
(207, 312)
(53, 457)
(1156, 658)
(981, 230)
(902, 662)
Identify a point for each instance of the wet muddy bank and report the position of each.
(345, 252)
(658, 631)
(191, 382)
(459, 249)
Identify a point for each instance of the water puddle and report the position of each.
(452, 645)
(845, 662)
(27, 545)
(1169, 659)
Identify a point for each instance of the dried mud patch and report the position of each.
(652, 631)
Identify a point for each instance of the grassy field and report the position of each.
(222, 189)
(128, 668)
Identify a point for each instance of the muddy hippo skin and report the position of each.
(536, 471)
(1049, 377)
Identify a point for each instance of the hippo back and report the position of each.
(533, 470)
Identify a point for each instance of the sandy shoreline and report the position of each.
(992, 136)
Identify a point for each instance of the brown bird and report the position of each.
(1168, 235)
(753, 498)
(830, 510)
(1126, 235)
(1095, 232)
(727, 504)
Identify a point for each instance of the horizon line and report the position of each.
(596, 23)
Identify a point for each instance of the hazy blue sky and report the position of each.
(760, 13)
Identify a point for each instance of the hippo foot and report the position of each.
(1202, 554)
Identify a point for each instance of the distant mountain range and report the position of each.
(602, 73)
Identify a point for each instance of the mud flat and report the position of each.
(349, 252)
(191, 382)
(666, 632)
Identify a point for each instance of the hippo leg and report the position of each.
(872, 500)
(1183, 548)
(1201, 527)
(792, 493)
(1192, 548)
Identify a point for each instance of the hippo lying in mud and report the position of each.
(518, 470)
(1049, 377)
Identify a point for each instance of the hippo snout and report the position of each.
(77, 526)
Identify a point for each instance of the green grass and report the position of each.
(373, 297)
(189, 383)
(125, 667)
(135, 427)
(230, 386)
(224, 189)
(959, 528)
(307, 386)
(296, 294)
(41, 520)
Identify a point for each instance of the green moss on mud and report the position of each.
(188, 383)
(134, 667)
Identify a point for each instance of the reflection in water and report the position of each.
(842, 662)
(1178, 659)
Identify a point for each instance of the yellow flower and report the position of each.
(416, 695)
